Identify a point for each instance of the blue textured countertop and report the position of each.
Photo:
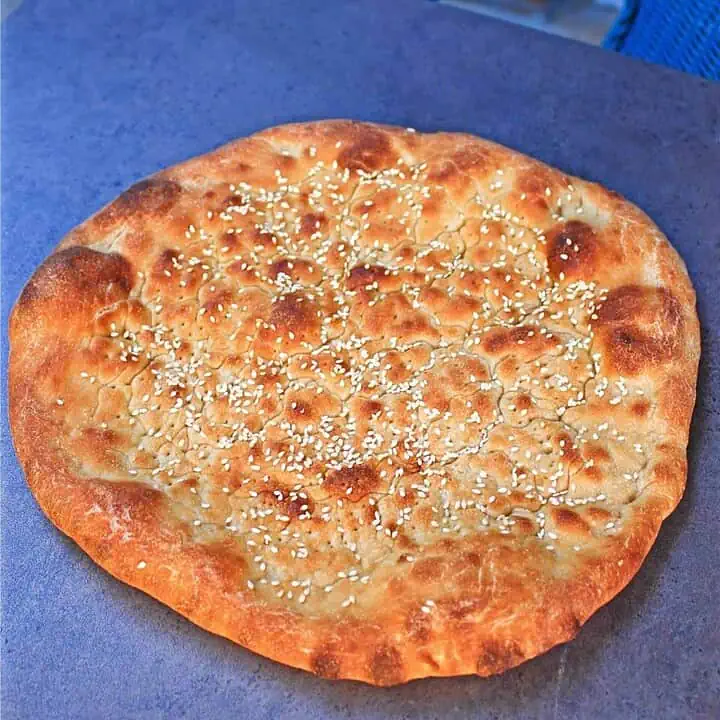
(97, 95)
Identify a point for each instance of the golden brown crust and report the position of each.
(376, 404)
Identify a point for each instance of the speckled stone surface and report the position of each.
(96, 95)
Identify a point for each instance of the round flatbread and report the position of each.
(373, 403)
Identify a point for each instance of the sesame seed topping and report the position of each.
(332, 371)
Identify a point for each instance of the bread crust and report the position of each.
(410, 289)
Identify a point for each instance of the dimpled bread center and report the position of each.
(342, 370)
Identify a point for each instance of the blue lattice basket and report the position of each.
(684, 34)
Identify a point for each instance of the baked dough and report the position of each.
(373, 403)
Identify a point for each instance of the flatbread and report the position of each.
(373, 403)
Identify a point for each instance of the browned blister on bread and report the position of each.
(373, 403)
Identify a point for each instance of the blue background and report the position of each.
(97, 95)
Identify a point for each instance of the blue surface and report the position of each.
(684, 34)
(96, 95)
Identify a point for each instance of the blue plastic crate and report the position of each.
(684, 34)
